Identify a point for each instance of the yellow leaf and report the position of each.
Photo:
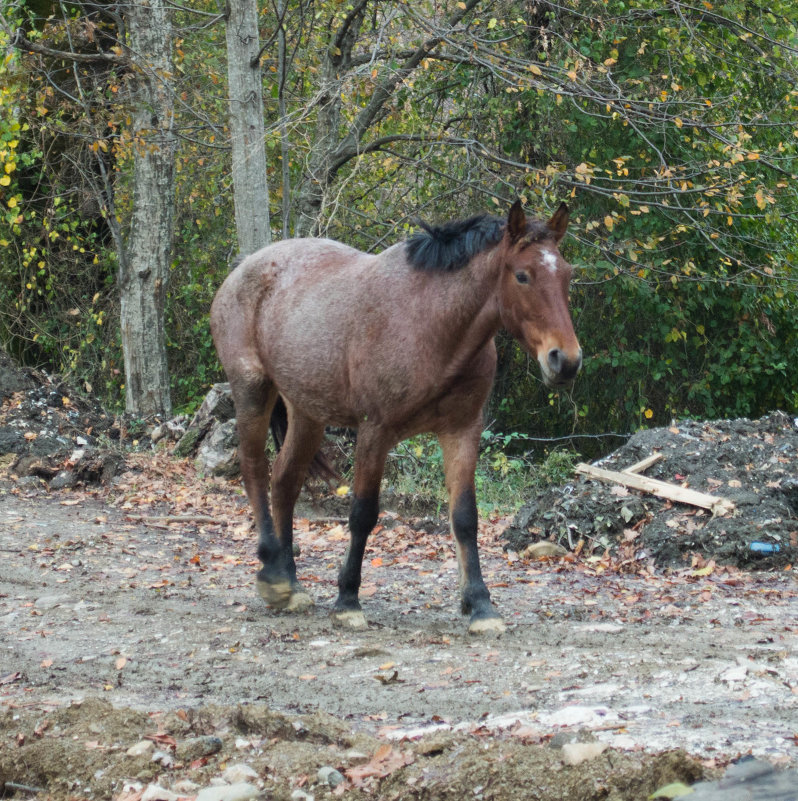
(492, 23)
(752, 156)
(342, 490)
(571, 74)
(609, 222)
(535, 70)
(678, 123)
(5, 181)
(12, 203)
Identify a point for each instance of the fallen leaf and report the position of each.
(121, 662)
(385, 761)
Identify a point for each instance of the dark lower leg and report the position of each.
(474, 595)
(362, 518)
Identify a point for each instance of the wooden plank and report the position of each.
(643, 464)
(672, 492)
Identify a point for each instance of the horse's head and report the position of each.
(534, 293)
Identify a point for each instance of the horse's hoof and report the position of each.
(350, 619)
(277, 595)
(482, 626)
(299, 602)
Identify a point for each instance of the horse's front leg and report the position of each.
(460, 451)
(370, 454)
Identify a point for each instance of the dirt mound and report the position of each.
(51, 432)
(752, 463)
(96, 750)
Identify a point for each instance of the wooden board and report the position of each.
(662, 489)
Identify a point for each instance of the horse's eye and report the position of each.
(522, 277)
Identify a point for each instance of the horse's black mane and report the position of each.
(451, 246)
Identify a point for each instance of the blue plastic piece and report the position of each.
(764, 547)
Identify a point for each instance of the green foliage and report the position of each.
(670, 129)
(506, 471)
(54, 290)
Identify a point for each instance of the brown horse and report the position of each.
(394, 345)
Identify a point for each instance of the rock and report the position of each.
(299, 795)
(218, 453)
(163, 758)
(216, 408)
(142, 748)
(238, 773)
(154, 792)
(330, 776)
(64, 479)
(173, 429)
(749, 779)
(541, 550)
(576, 753)
(186, 787)
(196, 747)
(241, 791)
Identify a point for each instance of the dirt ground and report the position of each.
(137, 662)
(113, 629)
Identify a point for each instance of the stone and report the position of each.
(218, 453)
(241, 791)
(142, 748)
(197, 747)
(330, 776)
(237, 773)
(154, 792)
(576, 753)
(541, 550)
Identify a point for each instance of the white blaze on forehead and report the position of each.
(550, 260)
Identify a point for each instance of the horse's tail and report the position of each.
(321, 466)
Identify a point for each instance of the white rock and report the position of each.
(141, 748)
(242, 791)
(239, 773)
(155, 792)
(186, 787)
(576, 753)
(299, 795)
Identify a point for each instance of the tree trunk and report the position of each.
(144, 268)
(250, 187)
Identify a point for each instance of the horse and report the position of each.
(393, 345)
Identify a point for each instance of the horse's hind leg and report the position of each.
(460, 451)
(254, 400)
(302, 441)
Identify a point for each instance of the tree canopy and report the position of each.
(670, 129)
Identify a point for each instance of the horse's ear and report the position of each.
(516, 221)
(558, 224)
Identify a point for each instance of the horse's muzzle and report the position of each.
(561, 368)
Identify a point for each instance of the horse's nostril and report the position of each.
(555, 359)
(562, 366)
